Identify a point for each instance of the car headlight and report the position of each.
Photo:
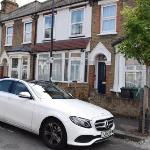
(81, 122)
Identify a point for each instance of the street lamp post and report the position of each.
(52, 40)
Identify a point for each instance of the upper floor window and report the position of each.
(108, 19)
(27, 32)
(9, 35)
(48, 27)
(77, 21)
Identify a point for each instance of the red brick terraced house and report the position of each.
(85, 45)
(109, 71)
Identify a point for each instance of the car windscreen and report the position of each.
(50, 89)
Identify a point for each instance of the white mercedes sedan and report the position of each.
(60, 119)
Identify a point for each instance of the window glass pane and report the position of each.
(18, 88)
(14, 74)
(28, 27)
(57, 55)
(48, 33)
(77, 16)
(75, 70)
(24, 74)
(43, 70)
(25, 61)
(57, 70)
(75, 54)
(27, 37)
(14, 62)
(9, 39)
(109, 11)
(48, 22)
(9, 30)
(77, 29)
(134, 79)
(67, 55)
(109, 25)
(5, 86)
(44, 57)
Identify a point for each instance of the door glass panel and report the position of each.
(14, 62)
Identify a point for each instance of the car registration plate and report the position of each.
(106, 134)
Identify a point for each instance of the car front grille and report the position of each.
(105, 124)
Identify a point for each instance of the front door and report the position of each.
(101, 77)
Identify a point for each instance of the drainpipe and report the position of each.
(52, 41)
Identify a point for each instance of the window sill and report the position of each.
(8, 45)
(77, 36)
(27, 42)
(48, 40)
(108, 33)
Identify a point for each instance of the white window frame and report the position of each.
(6, 41)
(82, 65)
(49, 28)
(60, 58)
(135, 71)
(72, 10)
(108, 18)
(24, 32)
(20, 64)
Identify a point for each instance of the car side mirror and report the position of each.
(25, 95)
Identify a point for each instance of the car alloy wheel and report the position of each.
(54, 134)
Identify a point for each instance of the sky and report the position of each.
(23, 2)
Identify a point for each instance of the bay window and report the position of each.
(77, 21)
(67, 67)
(134, 74)
(108, 19)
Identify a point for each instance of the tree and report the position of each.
(136, 44)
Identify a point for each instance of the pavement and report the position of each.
(127, 128)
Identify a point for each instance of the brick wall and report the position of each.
(118, 106)
(18, 32)
(78, 90)
(1, 71)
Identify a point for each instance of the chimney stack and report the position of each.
(9, 6)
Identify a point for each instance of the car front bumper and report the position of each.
(79, 136)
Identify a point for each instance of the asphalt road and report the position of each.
(12, 138)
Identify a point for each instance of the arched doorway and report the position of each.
(5, 67)
(101, 73)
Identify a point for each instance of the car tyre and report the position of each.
(54, 134)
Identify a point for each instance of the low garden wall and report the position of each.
(117, 105)
(78, 90)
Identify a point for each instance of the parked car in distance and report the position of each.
(60, 119)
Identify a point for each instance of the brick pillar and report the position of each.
(108, 77)
(5, 71)
(91, 77)
(1, 71)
